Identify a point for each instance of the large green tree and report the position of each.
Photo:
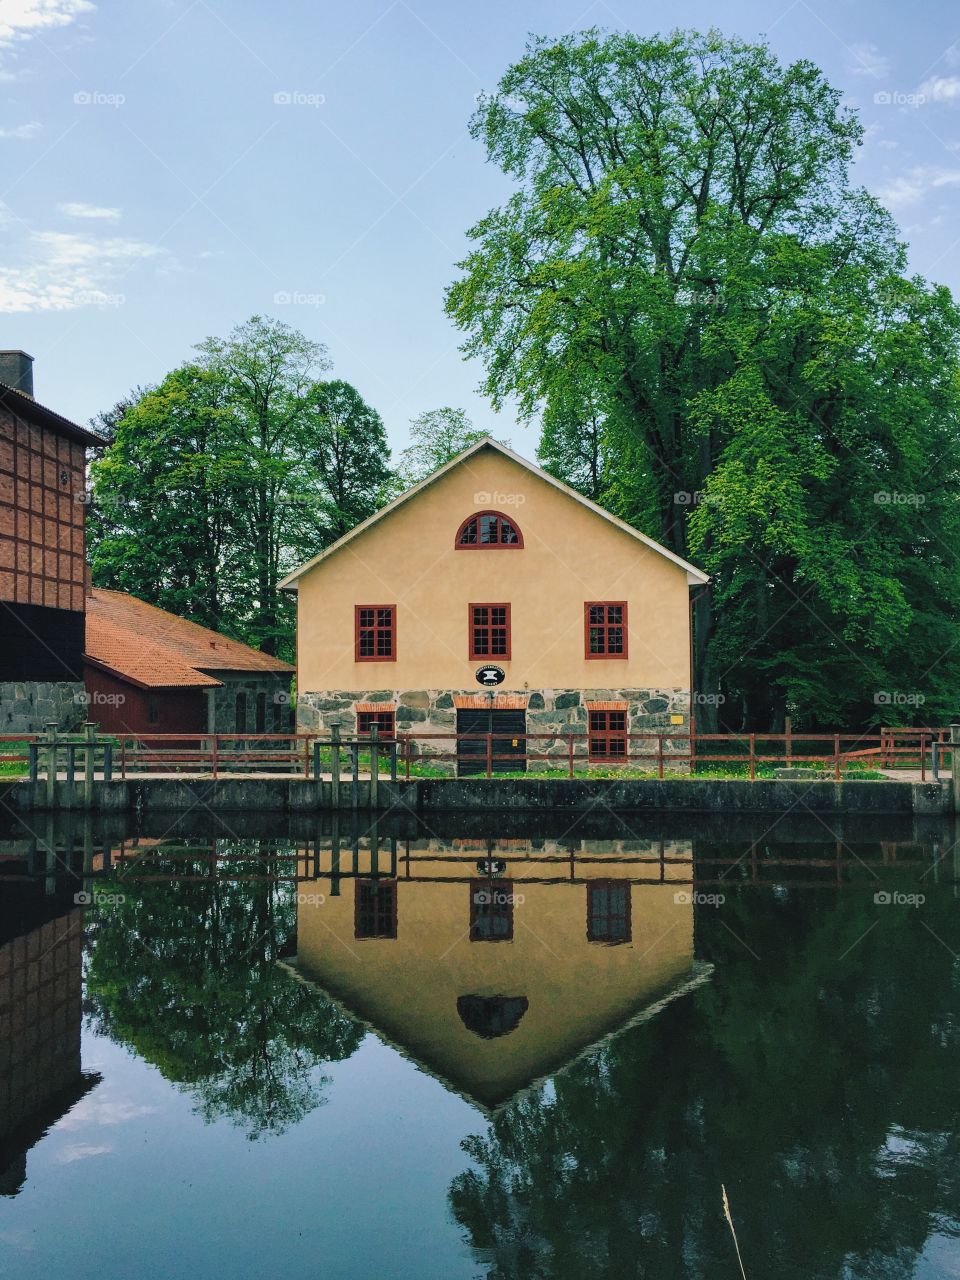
(238, 466)
(687, 266)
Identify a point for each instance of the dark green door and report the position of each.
(508, 728)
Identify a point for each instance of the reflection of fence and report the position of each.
(344, 760)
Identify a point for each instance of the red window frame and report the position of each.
(482, 624)
(603, 924)
(607, 736)
(603, 630)
(499, 545)
(384, 720)
(376, 629)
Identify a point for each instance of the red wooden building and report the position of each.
(148, 671)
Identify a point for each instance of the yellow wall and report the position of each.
(578, 991)
(570, 555)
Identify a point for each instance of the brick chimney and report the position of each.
(16, 370)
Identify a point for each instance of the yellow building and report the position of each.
(492, 982)
(492, 598)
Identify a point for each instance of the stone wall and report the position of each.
(563, 711)
(28, 706)
(276, 687)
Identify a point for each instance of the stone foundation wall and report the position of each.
(28, 706)
(560, 711)
(276, 687)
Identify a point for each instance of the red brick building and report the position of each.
(148, 671)
(42, 555)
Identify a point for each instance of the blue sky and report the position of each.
(170, 167)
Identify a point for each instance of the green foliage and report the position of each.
(715, 328)
(233, 470)
(184, 972)
(436, 437)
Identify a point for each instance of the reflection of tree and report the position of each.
(818, 1083)
(184, 972)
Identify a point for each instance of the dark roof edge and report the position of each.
(26, 407)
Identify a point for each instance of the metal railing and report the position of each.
(340, 759)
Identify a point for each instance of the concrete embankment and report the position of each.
(435, 795)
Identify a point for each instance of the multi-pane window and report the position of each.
(375, 909)
(608, 735)
(384, 720)
(487, 529)
(608, 911)
(606, 629)
(489, 630)
(376, 628)
(491, 910)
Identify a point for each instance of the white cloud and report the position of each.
(80, 1151)
(941, 89)
(868, 61)
(61, 271)
(78, 209)
(22, 19)
(23, 131)
(911, 187)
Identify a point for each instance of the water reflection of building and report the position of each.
(41, 943)
(493, 967)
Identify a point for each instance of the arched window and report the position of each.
(486, 530)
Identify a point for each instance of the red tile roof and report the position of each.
(480, 701)
(156, 649)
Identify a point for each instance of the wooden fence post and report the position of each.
(954, 770)
(335, 766)
(51, 753)
(374, 767)
(89, 753)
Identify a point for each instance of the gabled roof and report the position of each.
(157, 650)
(25, 406)
(694, 575)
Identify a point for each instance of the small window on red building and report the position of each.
(375, 909)
(489, 630)
(605, 624)
(384, 720)
(376, 632)
(487, 530)
(608, 735)
(153, 710)
(608, 911)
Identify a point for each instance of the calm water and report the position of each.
(265, 1051)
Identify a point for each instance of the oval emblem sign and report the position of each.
(490, 675)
